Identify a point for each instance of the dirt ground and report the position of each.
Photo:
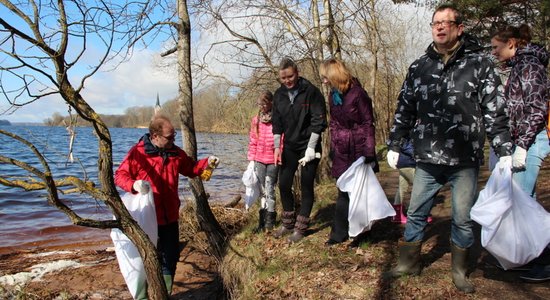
(98, 275)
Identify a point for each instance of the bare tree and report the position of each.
(37, 63)
(172, 26)
(261, 32)
(215, 233)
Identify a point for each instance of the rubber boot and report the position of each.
(299, 229)
(168, 282)
(261, 220)
(270, 218)
(287, 227)
(399, 216)
(409, 260)
(141, 293)
(459, 263)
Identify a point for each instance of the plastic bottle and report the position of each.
(207, 173)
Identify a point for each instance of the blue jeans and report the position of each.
(428, 180)
(536, 154)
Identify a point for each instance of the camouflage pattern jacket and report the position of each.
(449, 108)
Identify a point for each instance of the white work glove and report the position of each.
(308, 156)
(505, 161)
(518, 158)
(141, 186)
(392, 158)
(213, 161)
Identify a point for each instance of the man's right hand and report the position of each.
(142, 186)
(392, 158)
(277, 156)
(518, 158)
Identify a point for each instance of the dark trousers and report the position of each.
(286, 177)
(340, 225)
(168, 247)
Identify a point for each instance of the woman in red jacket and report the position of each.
(261, 151)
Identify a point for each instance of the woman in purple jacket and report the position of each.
(526, 94)
(351, 134)
(261, 151)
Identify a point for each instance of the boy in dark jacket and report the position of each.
(299, 112)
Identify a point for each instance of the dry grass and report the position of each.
(231, 219)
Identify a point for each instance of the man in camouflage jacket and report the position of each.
(451, 99)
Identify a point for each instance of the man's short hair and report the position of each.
(459, 18)
(157, 123)
(288, 62)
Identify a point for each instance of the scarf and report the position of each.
(153, 150)
(446, 55)
(265, 117)
(336, 97)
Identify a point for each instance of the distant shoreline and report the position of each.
(21, 124)
(136, 127)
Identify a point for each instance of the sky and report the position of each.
(133, 83)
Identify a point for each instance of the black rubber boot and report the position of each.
(270, 218)
(261, 220)
(287, 227)
(459, 263)
(299, 229)
(409, 260)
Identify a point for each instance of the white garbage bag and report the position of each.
(515, 228)
(142, 209)
(252, 184)
(367, 200)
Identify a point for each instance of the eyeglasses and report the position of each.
(170, 137)
(444, 23)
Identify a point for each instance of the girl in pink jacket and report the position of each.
(261, 151)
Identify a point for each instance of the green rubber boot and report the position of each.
(141, 291)
(409, 260)
(168, 282)
(459, 262)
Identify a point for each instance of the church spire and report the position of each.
(157, 106)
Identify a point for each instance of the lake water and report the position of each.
(28, 221)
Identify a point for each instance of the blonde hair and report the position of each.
(337, 74)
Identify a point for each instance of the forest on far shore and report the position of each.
(213, 110)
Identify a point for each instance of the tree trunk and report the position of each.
(323, 170)
(209, 224)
